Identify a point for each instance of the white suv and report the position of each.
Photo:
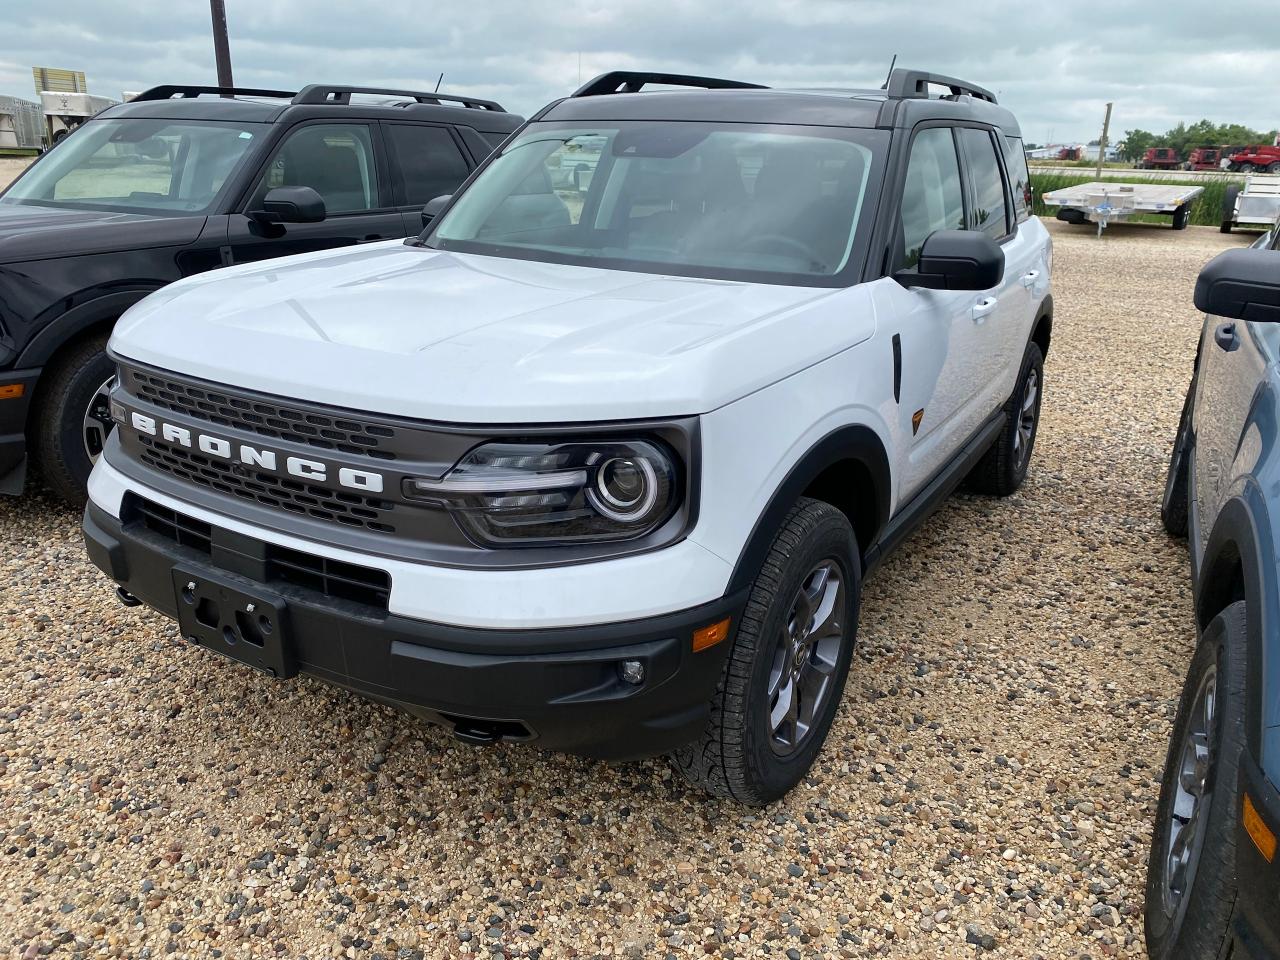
(599, 463)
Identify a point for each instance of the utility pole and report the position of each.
(221, 48)
(1102, 144)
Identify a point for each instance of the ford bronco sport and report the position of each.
(598, 462)
(181, 180)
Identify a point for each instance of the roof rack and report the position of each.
(170, 90)
(629, 81)
(329, 93)
(904, 84)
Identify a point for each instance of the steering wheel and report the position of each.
(790, 244)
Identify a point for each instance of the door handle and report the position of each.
(983, 307)
(1029, 279)
(1225, 336)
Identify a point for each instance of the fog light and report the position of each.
(118, 413)
(631, 671)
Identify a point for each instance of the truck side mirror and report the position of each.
(291, 205)
(432, 208)
(956, 260)
(1241, 285)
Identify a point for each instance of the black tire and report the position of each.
(1229, 208)
(1195, 925)
(1247, 168)
(1175, 505)
(1181, 216)
(735, 756)
(1273, 167)
(65, 396)
(1004, 466)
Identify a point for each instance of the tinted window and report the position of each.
(333, 159)
(931, 199)
(1015, 161)
(988, 211)
(429, 160)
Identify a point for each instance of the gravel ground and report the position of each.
(988, 785)
(10, 167)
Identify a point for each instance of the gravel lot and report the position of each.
(10, 167)
(988, 785)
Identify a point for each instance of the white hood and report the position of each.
(450, 337)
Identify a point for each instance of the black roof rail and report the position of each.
(630, 81)
(904, 84)
(332, 93)
(170, 90)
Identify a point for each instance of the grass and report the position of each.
(1206, 209)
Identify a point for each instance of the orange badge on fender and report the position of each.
(915, 421)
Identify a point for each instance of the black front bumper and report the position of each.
(560, 688)
(1256, 925)
(13, 428)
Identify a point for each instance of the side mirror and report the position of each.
(956, 260)
(292, 205)
(432, 208)
(1241, 285)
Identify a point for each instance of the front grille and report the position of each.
(333, 579)
(263, 416)
(284, 493)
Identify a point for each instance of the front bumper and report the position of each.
(557, 686)
(1256, 926)
(13, 428)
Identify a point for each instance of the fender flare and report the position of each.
(854, 442)
(68, 325)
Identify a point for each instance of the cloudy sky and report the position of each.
(1055, 64)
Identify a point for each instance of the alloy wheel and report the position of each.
(1027, 414)
(97, 423)
(1192, 795)
(808, 648)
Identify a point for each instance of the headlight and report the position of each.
(534, 494)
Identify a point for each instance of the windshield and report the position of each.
(781, 204)
(138, 165)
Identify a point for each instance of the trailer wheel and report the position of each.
(1229, 208)
(1181, 216)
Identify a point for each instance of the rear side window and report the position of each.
(1015, 161)
(429, 160)
(932, 199)
(988, 212)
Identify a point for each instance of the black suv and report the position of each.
(185, 179)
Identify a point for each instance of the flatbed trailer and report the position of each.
(1100, 203)
(1257, 203)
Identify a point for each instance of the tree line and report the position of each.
(1184, 138)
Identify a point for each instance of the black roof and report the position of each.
(905, 101)
(173, 102)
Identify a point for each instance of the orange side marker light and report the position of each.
(1258, 831)
(705, 637)
(12, 391)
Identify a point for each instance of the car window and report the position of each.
(1015, 161)
(333, 159)
(988, 211)
(142, 165)
(932, 199)
(429, 160)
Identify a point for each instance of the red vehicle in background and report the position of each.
(1159, 158)
(1256, 157)
(1071, 153)
(1205, 158)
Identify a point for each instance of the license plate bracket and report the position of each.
(250, 626)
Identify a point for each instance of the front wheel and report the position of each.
(1004, 466)
(783, 678)
(74, 418)
(1191, 876)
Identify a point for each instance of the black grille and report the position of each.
(330, 578)
(265, 417)
(304, 499)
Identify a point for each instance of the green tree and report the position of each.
(1135, 144)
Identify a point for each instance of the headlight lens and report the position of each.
(534, 494)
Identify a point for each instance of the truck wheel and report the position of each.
(73, 419)
(1229, 208)
(783, 678)
(1247, 168)
(1181, 216)
(1175, 505)
(1273, 167)
(1003, 467)
(1191, 876)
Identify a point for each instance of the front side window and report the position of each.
(333, 159)
(987, 212)
(138, 165)
(932, 197)
(779, 204)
